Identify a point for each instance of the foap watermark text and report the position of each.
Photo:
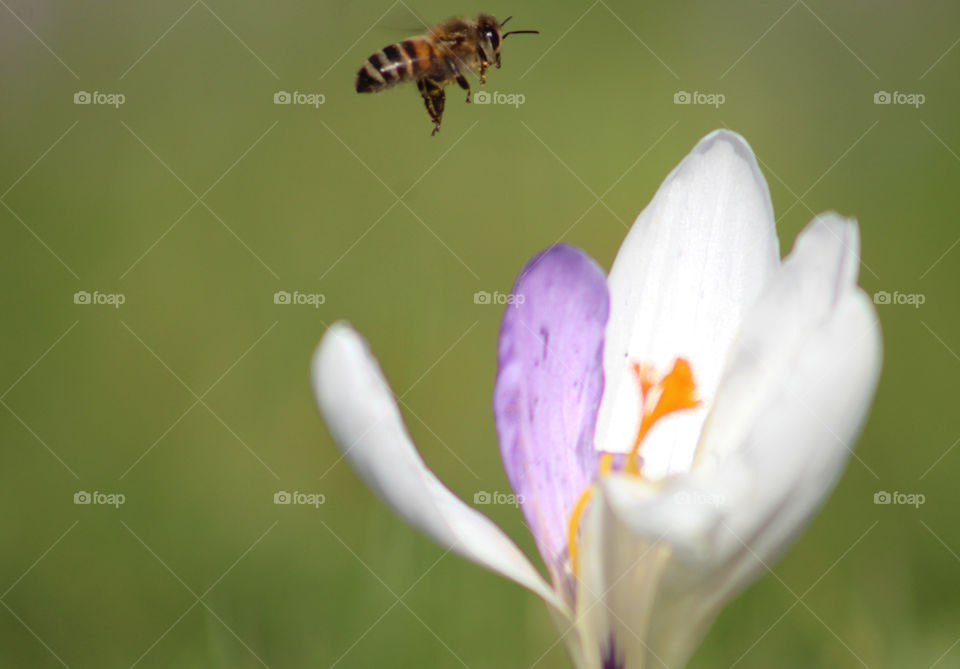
(896, 297)
(496, 297)
(296, 297)
(297, 98)
(96, 297)
(498, 98)
(897, 98)
(684, 497)
(98, 98)
(297, 498)
(699, 98)
(897, 498)
(114, 499)
(484, 497)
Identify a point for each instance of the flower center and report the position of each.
(660, 397)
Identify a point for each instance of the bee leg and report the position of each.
(464, 84)
(483, 72)
(458, 76)
(433, 99)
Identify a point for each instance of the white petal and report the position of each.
(792, 457)
(820, 270)
(691, 265)
(797, 391)
(364, 420)
(799, 383)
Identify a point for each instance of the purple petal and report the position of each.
(549, 383)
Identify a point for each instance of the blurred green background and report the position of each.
(198, 199)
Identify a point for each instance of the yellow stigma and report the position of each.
(606, 464)
(675, 391)
(574, 528)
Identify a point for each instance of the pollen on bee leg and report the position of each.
(675, 391)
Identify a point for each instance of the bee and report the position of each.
(442, 56)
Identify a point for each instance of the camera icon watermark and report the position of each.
(297, 498)
(84, 297)
(897, 98)
(496, 297)
(914, 300)
(97, 98)
(114, 499)
(297, 98)
(896, 498)
(699, 98)
(297, 298)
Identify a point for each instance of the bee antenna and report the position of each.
(521, 32)
(504, 22)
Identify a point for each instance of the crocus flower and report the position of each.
(670, 428)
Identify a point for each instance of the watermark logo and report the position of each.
(483, 497)
(699, 98)
(296, 297)
(297, 498)
(912, 299)
(496, 297)
(97, 98)
(685, 497)
(897, 98)
(914, 499)
(114, 499)
(297, 98)
(498, 98)
(96, 297)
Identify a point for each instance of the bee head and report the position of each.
(492, 36)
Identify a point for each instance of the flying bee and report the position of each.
(441, 57)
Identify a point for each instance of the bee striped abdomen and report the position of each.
(394, 64)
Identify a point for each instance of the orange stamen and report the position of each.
(677, 392)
